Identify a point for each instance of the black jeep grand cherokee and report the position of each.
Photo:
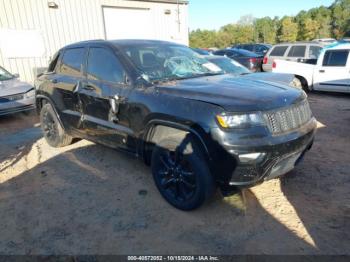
(197, 128)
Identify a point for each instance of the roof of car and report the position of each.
(240, 51)
(338, 45)
(121, 42)
(297, 43)
(264, 44)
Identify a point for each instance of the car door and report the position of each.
(102, 95)
(332, 71)
(64, 84)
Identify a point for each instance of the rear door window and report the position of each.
(297, 51)
(279, 51)
(336, 58)
(72, 61)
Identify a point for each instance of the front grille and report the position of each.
(288, 119)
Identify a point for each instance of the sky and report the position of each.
(212, 14)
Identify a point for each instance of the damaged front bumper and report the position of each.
(267, 157)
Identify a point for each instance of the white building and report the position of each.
(31, 31)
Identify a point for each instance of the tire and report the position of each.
(296, 83)
(181, 173)
(52, 129)
(301, 83)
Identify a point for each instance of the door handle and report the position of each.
(322, 71)
(54, 81)
(89, 88)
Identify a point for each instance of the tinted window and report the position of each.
(53, 63)
(260, 48)
(72, 61)
(314, 51)
(335, 58)
(221, 52)
(297, 51)
(232, 54)
(278, 51)
(248, 47)
(103, 65)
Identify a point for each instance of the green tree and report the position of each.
(265, 30)
(202, 38)
(309, 29)
(288, 31)
(323, 16)
(340, 17)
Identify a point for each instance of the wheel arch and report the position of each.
(156, 130)
(304, 82)
(41, 100)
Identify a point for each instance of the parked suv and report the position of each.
(296, 52)
(198, 128)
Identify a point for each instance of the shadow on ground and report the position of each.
(96, 200)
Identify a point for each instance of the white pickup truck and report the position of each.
(330, 73)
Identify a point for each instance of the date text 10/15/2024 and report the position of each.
(173, 258)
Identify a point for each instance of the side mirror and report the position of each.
(16, 75)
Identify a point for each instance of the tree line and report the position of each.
(320, 22)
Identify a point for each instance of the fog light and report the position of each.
(251, 157)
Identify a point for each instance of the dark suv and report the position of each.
(260, 49)
(198, 128)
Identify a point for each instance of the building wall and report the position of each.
(73, 21)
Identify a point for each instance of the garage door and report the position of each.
(128, 23)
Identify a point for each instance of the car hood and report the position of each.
(13, 86)
(271, 77)
(234, 94)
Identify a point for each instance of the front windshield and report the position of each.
(229, 66)
(5, 75)
(163, 62)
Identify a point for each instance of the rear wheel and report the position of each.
(181, 173)
(52, 129)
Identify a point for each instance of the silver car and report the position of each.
(291, 52)
(15, 96)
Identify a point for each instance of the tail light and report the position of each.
(265, 60)
(252, 60)
(274, 64)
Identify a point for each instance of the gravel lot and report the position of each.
(88, 199)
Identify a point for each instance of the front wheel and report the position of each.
(181, 173)
(52, 129)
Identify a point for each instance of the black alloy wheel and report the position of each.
(181, 173)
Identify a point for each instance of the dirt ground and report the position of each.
(89, 199)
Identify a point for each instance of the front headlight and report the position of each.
(30, 94)
(240, 120)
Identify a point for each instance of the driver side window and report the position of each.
(103, 65)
